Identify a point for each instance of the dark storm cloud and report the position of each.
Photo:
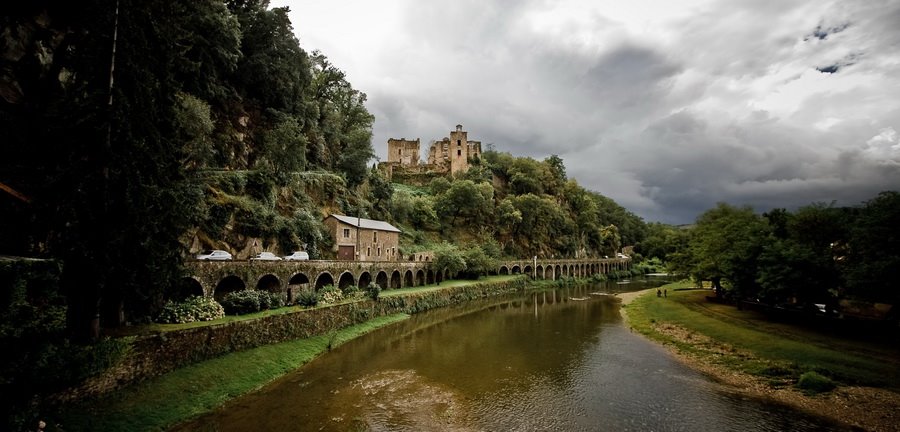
(766, 103)
(822, 33)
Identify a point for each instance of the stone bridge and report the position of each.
(217, 278)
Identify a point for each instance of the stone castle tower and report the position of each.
(447, 156)
(403, 151)
(455, 151)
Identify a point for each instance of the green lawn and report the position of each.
(747, 341)
(447, 284)
(193, 390)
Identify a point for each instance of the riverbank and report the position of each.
(162, 401)
(752, 356)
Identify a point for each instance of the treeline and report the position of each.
(516, 207)
(116, 116)
(817, 254)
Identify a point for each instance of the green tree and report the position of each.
(872, 254)
(465, 202)
(725, 245)
(448, 258)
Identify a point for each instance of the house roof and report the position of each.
(366, 223)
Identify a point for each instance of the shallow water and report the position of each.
(554, 360)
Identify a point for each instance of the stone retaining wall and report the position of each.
(156, 354)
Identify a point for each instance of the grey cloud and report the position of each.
(665, 127)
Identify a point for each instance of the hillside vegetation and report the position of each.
(209, 127)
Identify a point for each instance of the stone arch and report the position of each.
(540, 271)
(382, 279)
(503, 270)
(346, 280)
(298, 279)
(395, 279)
(439, 277)
(227, 285)
(365, 278)
(186, 287)
(270, 283)
(529, 271)
(324, 279)
(420, 277)
(429, 277)
(556, 270)
(516, 269)
(572, 271)
(408, 279)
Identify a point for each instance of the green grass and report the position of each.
(190, 391)
(746, 341)
(446, 284)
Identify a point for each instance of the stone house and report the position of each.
(360, 239)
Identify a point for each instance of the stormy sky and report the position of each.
(666, 107)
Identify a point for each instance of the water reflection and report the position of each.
(551, 360)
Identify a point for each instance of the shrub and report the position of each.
(190, 310)
(249, 301)
(307, 298)
(373, 291)
(330, 294)
(270, 300)
(813, 382)
(241, 302)
(352, 291)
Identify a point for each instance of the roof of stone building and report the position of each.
(366, 223)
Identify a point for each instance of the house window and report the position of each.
(346, 232)
(368, 251)
(375, 237)
(399, 151)
(459, 142)
(379, 251)
(459, 153)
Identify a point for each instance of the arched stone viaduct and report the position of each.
(555, 269)
(217, 278)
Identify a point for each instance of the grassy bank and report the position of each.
(845, 379)
(193, 390)
(748, 342)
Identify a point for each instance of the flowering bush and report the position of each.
(190, 310)
(330, 294)
(373, 291)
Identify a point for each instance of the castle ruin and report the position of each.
(445, 157)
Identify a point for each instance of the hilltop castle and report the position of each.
(445, 157)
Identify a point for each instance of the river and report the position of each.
(558, 360)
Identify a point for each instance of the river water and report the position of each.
(553, 360)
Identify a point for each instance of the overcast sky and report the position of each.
(666, 109)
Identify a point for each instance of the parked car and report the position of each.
(214, 255)
(265, 256)
(297, 256)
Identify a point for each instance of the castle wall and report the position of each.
(447, 156)
(403, 151)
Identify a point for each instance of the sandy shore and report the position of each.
(868, 408)
(629, 297)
